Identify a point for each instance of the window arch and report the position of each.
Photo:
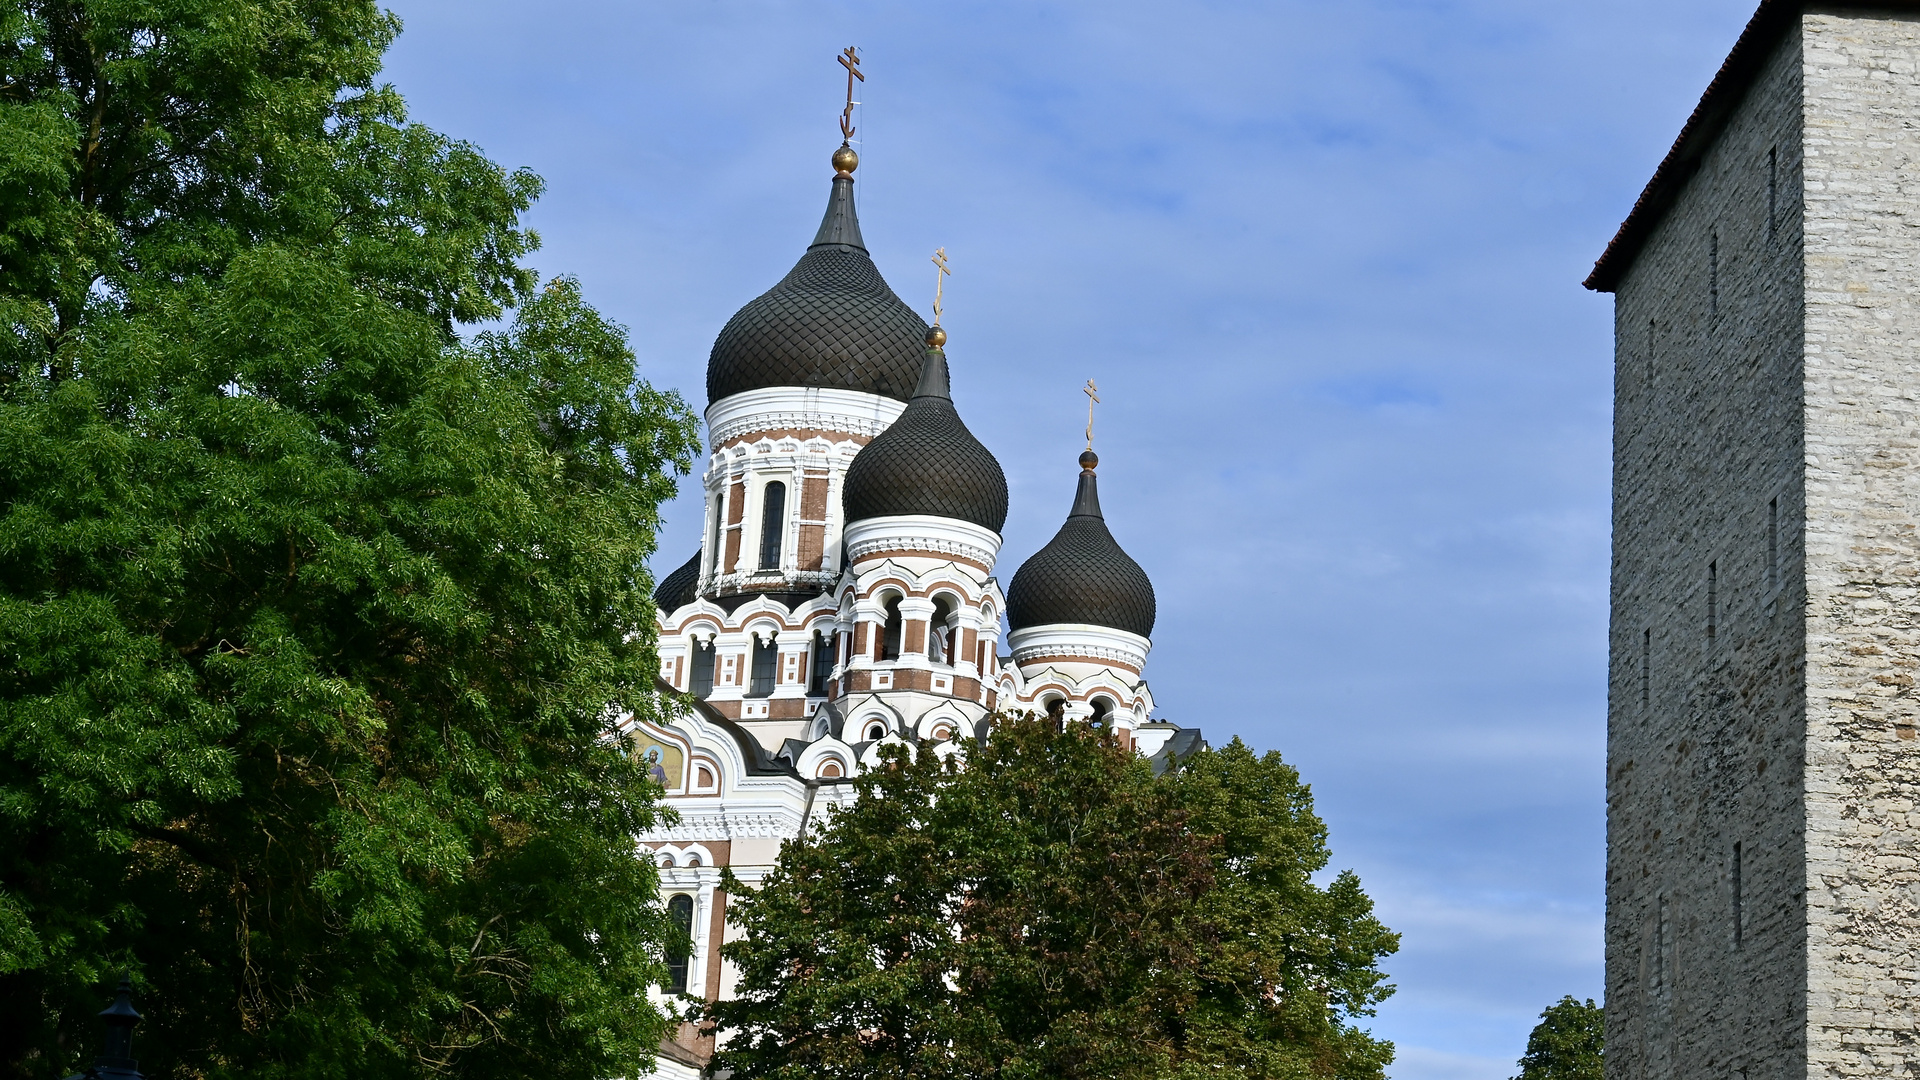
(773, 523)
(766, 657)
(822, 665)
(700, 682)
(876, 731)
(940, 633)
(1102, 709)
(831, 769)
(890, 633)
(680, 951)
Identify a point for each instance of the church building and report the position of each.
(844, 595)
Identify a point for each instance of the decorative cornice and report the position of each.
(799, 408)
(1071, 641)
(1034, 654)
(936, 536)
(913, 545)
(696, 825)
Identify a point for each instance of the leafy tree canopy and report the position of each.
(1054, 910)
(313, 612)
(1566, 1043)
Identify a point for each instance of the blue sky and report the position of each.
(1323, 260)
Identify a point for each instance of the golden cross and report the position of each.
(849, 59)
(939, 279)
(1093, 395)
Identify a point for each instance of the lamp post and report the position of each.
(116, 1057)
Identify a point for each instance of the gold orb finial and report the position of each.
(936, 336)
(845, 161)
(1089, 460)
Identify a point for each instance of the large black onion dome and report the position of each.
(1082, 576)
(679, 588)
(927, 462)
(832, 321)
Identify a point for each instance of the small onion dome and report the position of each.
(1082, 576)
(832, 321)
(679, 588)
(927, 462)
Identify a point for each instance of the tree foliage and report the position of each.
(1567, 1042)
(312, 611)
(1054, 910)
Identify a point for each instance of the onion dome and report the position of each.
(927, 462)
(831, 322)
(679, 588)
(1082, 576)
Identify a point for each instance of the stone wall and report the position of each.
(1705, 902)
(1862, 372)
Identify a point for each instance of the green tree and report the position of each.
(314, 613)
(1566, 1043)
(1054, 910)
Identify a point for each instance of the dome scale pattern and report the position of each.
(927, 462)
(831, 322)
(1082, 575)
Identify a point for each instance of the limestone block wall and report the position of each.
(1706, 925)
(1862, 379)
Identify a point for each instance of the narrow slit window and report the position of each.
(1713, 600)
(680, 951)
(892, 632)
(1773, 193)
(940, 633)
(1773, 542)
(1713, 275)
(701, 682)
(1646, 668)
(1738, 900)
(822, 665)
(765, 655)
(1653, 331)
(773, 524)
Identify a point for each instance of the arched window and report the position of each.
(766, 656)
(831, 769)
(680, 951)
(701, 682)
(822, 665)
(1102, 708)
(1056, 710)
(876, 731)
(890, 634)
(940, 633)
(773, 524)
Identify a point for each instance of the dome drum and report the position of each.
(1077, 648)
(923, 536)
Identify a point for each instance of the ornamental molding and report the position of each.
(1072, 640)
(697, 826)
(1091, 652)
(922, 533)
(799, 408)
(928, 544)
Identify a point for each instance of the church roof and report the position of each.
(679, 588)
(1723, 95)
(927, 462)
(1082, 575)
(831, 322)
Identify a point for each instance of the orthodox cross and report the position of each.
(939, 280)
(849, 59)
(1093, 397)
